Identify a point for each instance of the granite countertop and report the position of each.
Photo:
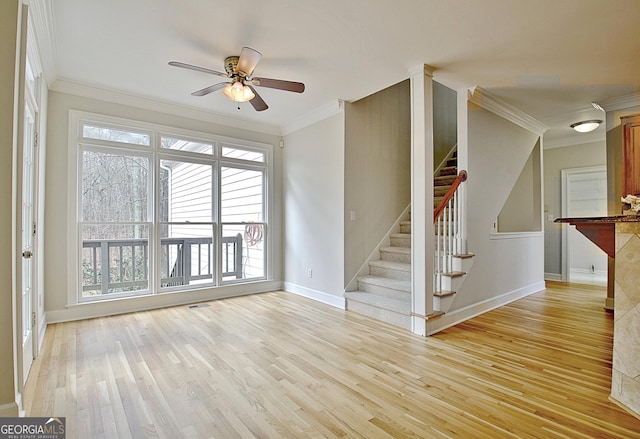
(601, 219)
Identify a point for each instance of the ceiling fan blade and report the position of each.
(197, 68)
(257, 102)
(296, 87)
(210, 89)
(248, 61)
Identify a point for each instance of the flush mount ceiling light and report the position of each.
(586, 125)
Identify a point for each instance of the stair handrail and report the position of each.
(460, 178)
(448, 220)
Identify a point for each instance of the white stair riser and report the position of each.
(401, 241)
(443, 303)
(390, 273)
(452, 284)
(394, 318)
(455, 264)
(383, 291)
(405, 258)
(449, 283)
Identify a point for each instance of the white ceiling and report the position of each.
(549, 58)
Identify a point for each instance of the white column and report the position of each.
(422, 232)
(463, 160)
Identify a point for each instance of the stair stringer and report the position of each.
(451, 285)
(352, 285)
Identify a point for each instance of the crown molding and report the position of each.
(424, 69)
(329, 109)
(117, 97)
(573, 140)
(41, 14)
(493, 104)
(621, 102)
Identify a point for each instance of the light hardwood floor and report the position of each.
(278, 365)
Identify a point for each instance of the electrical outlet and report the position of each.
(309, 272)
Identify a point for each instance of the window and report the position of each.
(242, 216)
(115, 222)
(164, 210)
(186, 226)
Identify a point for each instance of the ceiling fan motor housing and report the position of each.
(231, 65)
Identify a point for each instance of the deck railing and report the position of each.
(122, 264)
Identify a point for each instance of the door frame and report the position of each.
(566, 250)
(28, 50)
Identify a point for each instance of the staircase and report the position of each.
(385, 293)
(443, 179)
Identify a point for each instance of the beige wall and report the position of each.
(445, 120)
(503, 265)
(10, 17)
(555, 160)
(377, 173)
(313, 198)
(521, 211)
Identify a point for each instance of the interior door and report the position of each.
(585, 196)
(28, 232)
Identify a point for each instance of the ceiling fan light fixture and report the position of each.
(238, 92)
(586, 125)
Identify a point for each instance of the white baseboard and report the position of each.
(463, 314)
(553, 276)
(319, 296)
(9, 410)
(588, 272)
(134, 304)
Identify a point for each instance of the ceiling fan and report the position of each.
(239, 86)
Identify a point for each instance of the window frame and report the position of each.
(82, 147)
(78, 143)
(251, 166)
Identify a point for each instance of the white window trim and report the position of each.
(75, 138)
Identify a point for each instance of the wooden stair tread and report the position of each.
(449, 170)
(446, 179)
(433, 315)
(443, 293)
(453, 273)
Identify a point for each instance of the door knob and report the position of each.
(27, 254)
